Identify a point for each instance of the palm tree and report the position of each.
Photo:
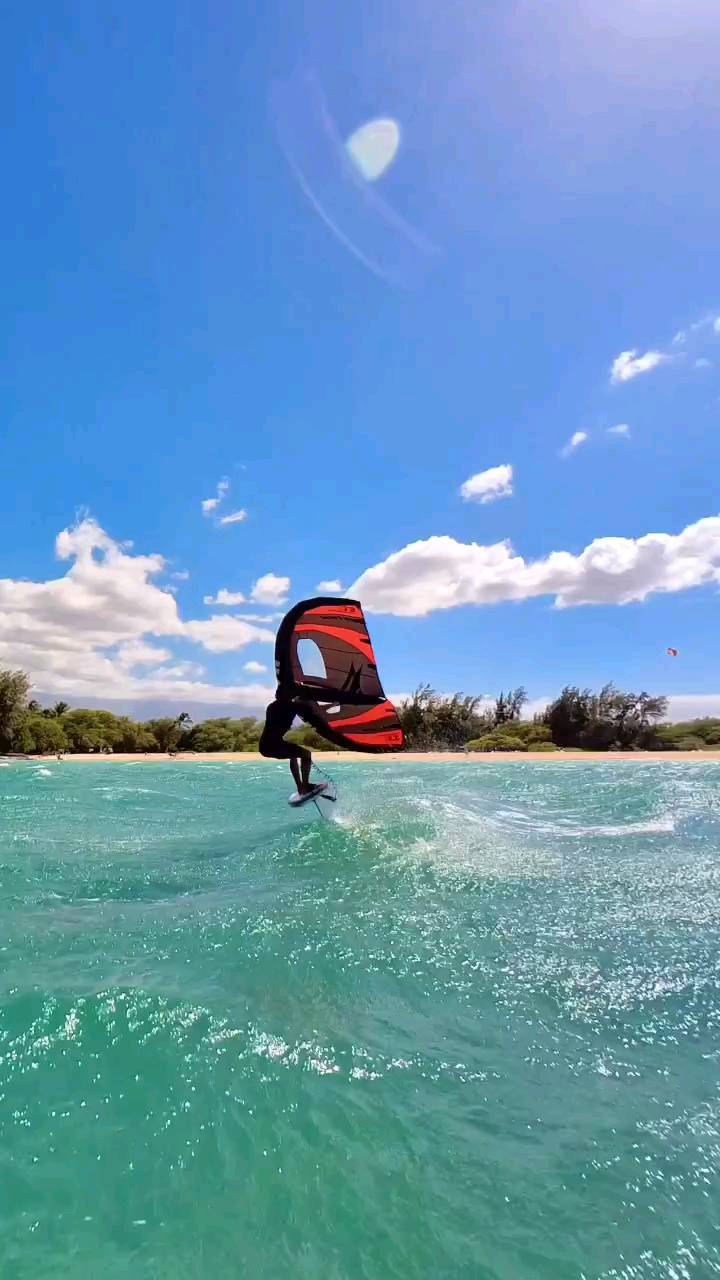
(60, 708)
(34, 705)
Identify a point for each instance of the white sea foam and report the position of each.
(510, 818)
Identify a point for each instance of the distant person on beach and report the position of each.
(279, 716)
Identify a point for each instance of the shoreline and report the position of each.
(397, 757)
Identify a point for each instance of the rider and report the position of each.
(278, 720)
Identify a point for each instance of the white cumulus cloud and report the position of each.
(629, 364)
(270, 589)
(259, 617)
(622, 429)
(90, 631)
(331, 586)
(442, 573)
(255, 668)
(137, 653)
(211, 504)
(227, 598)
(576, 439)
(233, 517)
(221, 634)
(488, 486)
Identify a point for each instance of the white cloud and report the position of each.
(576, 439)
(211, 504)
(268, 618)
(221, 634)
(622, 429)
(703, 363)
(441, 573)
(331, 586)
(488, 486)
(171, 688)
(696, 327)
(234, 517)
(86, 633)
(534, 707)
(716, 324)
(270, 589)
(137, 653)
(692, 706)
(629, 364)
(227, 598)
(182, 575)
(255, 668)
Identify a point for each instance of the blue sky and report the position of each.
(199, 287)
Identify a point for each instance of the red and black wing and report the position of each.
(347, 704)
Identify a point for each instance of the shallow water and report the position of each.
(468, 1028)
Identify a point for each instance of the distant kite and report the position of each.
(672, 653)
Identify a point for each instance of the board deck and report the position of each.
(295, 799)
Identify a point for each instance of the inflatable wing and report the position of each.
(346, 704)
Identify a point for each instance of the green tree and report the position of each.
(308, 737)
(606, 720)
(431, 721)
(14, 689)
(85, 730)
(213, 736)
(235, 735)
(498, 740)
(509, 742)
(165, 731)
(536, 735)
(508, 706)
(43, 734)
(247, 731)
(60, 708)
(569, 716)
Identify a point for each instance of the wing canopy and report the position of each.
(346, 704)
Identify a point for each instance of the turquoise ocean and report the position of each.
(469, 1027)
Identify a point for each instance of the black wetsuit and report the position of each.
(278, 720)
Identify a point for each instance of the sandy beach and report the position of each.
(406, 757)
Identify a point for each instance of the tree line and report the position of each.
(26, 728)
(578, 718)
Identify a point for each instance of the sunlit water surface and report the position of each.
(468, 1028)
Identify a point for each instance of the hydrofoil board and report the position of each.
(296, 799)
